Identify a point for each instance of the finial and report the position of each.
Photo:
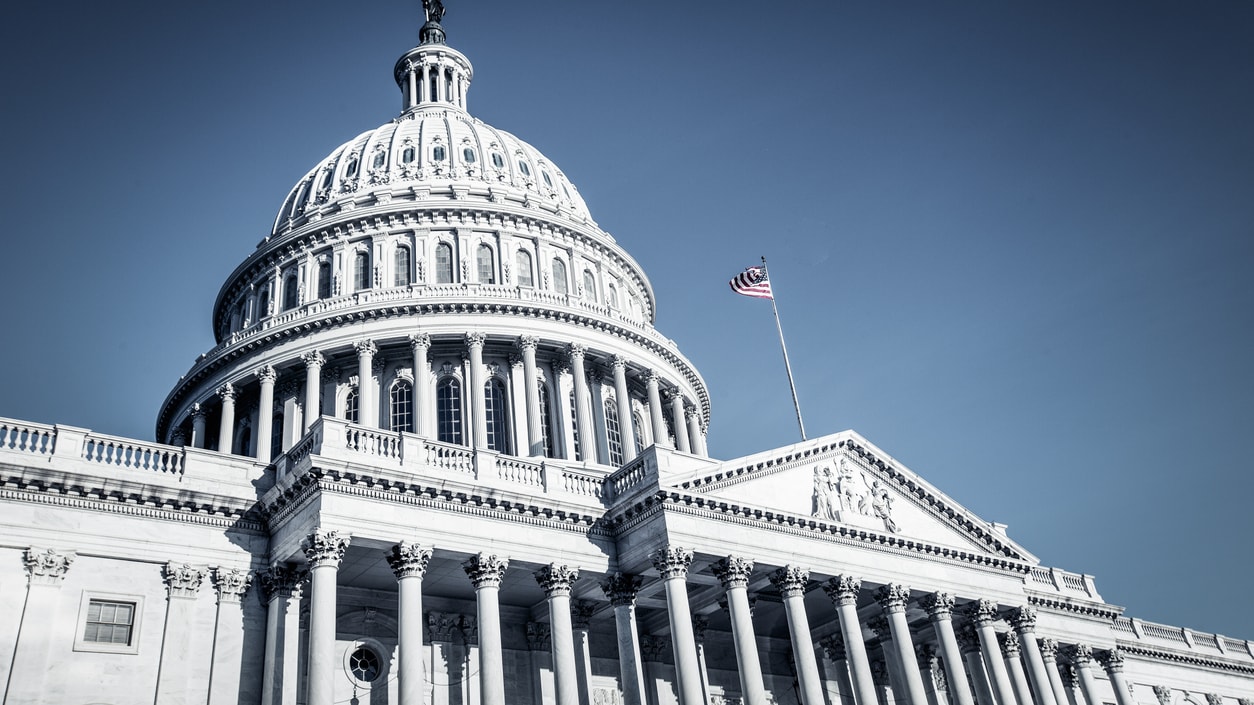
(432, 32)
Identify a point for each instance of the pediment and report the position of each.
(844, 479)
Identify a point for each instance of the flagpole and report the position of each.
(787, 367)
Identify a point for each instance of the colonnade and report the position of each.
(432, 82)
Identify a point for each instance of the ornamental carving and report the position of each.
(576, 350)
(926, 656)
(468, 625)
(968, 639)
(833, 647)
(441, 625)
(621, 589)
(182, 579)
(938, 605)
(528, 342)
(281, 581)
(226, 392)
(879, 673)
(485, 570)
(893, 597)
(581, 612)
(1111, 659)
(983, 612)
(733, 571)
(652, 648)
(556, 579)
(324, 548)
(752, 599)
(1023, 619)
(791, 581)
(267, 374)
(1009, 642)
(476, 339)
(672, 561)
(1080, 654)
(231, 583)
(539, 636)
(1214, 699)
(409, 560)
(843, 590)
(1049, 648)
(1070, 676)
(879, 624)
(1163, 694)
(365, 347)
(46, 567)
(420, 341)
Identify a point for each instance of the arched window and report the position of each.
(468, 155)
(402, 405)
(350, 406)
(443, 263)
(589, 285)
(241, 313)
(324, 280)
(560, 284)
(612, 296)
(574, 426)
(351, 171)
(407, 155)
(326, 180)
(379, 159)
(291, 292)
(546, 420)
(437, 153)
(361, 271)
(486, 266)
(547, 181)
(494, 409)
(613, 435)
(522, 166)
(637, 426)
(669, 421)
(522, 263)
(400, 266)
(276, 436)
(244, 441)
(498, 161)
(448, 410)
(263, 304)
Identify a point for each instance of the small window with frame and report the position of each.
(109, 623)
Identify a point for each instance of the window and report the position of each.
(589, 285)
(437, 154)
(559, 276)
(443, 263)
(324, 280)
(574, 427)
(637, 426)
(468, 155)
(522, 263)
(263, 305)
(522, 166)
(351, 171)
(364, 665)
(407, 155)
(498, 161)
(350, 406)
(494, 409)
(379, 159)
(546, 420)
(326, 180)
(448, 410)
(291, 292)
(400, 266)
(547, 181)
(109, 623)
(485, 265)
(276, 436)
(613, 435)
(403, 407)
(612, 296)
(361, 271)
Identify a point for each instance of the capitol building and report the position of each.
(439, 455)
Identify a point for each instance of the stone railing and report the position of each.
(1148, 634)
(1060, 581)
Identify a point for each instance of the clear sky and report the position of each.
(1011, 242)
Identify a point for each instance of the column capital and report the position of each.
(843, 589)
(281, 581)
(197, 411)
(879, 625)
(1111, 659)
(324, 548)
(577, 350)
(652, 647)
(581, 613)
(556, 579)
(833, 647)
(365, 347)
(409, 560)
(226, 392)
(1163, 693)
(700, 624)
(1049, 648)
(621, 589)
(968, 639)
(651, 377)
(528, 342)
(420, 340)
(182, 579)
(313, 358)
(791, 580)
(267, 373)
(539, 636)
(672, 561)
(1023, 619)
(1080, 654)
(893, 597)
(476, 339)
(983, 612)
(231, 583)
(1009, 642)
(1214, 699)
(926, 654)
(618, 362)
(733, 571)
(46, 566)
(485, 570)
(938, 605)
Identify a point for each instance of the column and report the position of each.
(535, 438)
(265, 412)
(182, 583)
(45, 571)
(424, 405)
(412, 78)
(834, 649)
(367, 406)
(198, 425)
(583, 424)
(226, 428)
(893, 599)
(672, 562)
(626, 424)
(1009, 642)
(424, 91)
(843, 591)
(651, 650)
(228, 635)
(694, 430)
(324, 550)
(892, 660)
(969, 645)
(409, 563)
(1082, 659)
(701, 623)
(791, 582)
(1071, 682)
(939, 607)
(581, 620)
(313, 386)
(540, 655)
(485, 572)
(928, 670)
(479, 418)
(679, 421)
(282, 588)
(1112, 660)
(621, 590)
(1049, 656)
(1023, 619)
(733, 572)
(983, 614)
(656, 418)
(556, 580)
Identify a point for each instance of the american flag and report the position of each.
(752, 282)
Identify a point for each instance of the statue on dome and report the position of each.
(434, 10)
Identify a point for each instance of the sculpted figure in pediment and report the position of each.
(882, 505)
(846, 488)
(824, 493)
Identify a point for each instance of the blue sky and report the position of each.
(1011, 243)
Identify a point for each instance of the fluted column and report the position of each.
(281, 587)
(313, 387)
(587, 437)
(893, 599)
(843, 591)
(409, 564)
(1112, 661)
(226, 429)
(183, 583)
(1023, 619)
(1049, 656)
(656, 416)
(939, 607)
(412, 78)
(672, 563)
(626, 423)
(197, 413)
(969, 645)
(265, 412)
(834, 649)
(680, 422)
(424, 405)
(535, 437)
(556, 581)
(621, 590)
(1082, 658)
(367, 403)
(700, 623)
(581, 620)
(733, 572)
(791, 582)
(879, 626)
(478, 413)
(485, 572)
(694, 431)
(983, 614)
(1009, 642)
(927, 660)
(228, 634)
(325, 550)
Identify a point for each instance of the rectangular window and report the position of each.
(109, 623)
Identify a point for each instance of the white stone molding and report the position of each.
(231, 583)
(843, 589)
(486, 570)
(183, 579)
(672, 561)
(621, 589)
(556, 579)
(409, 560)
(733, 571)
(46, 566)
(324, 547)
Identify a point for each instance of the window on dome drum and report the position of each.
(276, 436)
(448, 410)
(589, 285)
(244, 441)
(326, 179)
(379, 159)
(613, 435)
(522, 263)
(498, 161)
(559, 276)
(566, 191)
(400, 265)
(485, 264)
(351, 171)
(291, 292)
(443, 263)
(522, 166)
(403, 407)
(670, 429)
(612, 296)
(361, 271)
(350, 406)
(546, 420)
(637, 424)
(437, 154)
(109, 622)
(574, 427)
(241, 313)
(365, 665)
(468, 155)
(408, 155)
(263, 304)
(494, 409)
(547, 181)
(324, 280)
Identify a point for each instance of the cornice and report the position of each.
(1098, 610)
(1137, 649)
